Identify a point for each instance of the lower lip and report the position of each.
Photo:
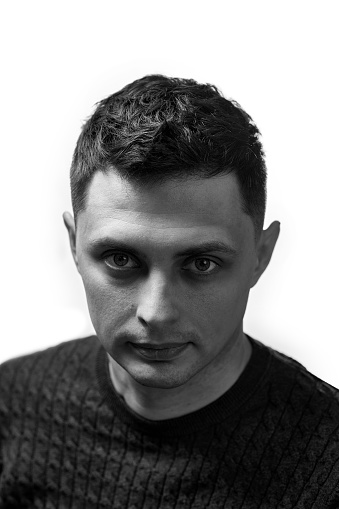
(161, 354)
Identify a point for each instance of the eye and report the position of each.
(121, 261)
(201, 266)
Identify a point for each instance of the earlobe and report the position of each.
(70, 225)
(264, 249)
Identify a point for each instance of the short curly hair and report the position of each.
(159, 128)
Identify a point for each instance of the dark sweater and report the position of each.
(69, 441)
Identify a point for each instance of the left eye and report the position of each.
(120, 261)
(201, 266)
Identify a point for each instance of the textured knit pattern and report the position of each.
(69, 441)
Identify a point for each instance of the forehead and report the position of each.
(179, 208)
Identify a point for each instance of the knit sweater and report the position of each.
(69, 441)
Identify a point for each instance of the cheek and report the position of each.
(109, 305)
(223, 307)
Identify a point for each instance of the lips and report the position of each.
(163, 352)
(154, 346)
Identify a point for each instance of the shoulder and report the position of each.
(48, 357)
(28, 375)
(303, 379)
(299, 416)
(301, 395)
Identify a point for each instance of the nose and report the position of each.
(158, 301)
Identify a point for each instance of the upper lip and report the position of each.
(154, 346)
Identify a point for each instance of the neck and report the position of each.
(204, 388)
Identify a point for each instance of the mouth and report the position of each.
(163, 352)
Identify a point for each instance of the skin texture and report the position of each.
(146, 281)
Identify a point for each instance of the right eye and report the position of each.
(120, 261)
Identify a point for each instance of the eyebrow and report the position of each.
(204, 247)
(208, 247)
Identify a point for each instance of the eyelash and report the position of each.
(198, 273)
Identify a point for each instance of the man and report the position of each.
(171, 404)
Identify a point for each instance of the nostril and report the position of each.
(144, 323)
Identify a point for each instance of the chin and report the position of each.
(165, 380)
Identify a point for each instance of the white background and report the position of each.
(279, 60)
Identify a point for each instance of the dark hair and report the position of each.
(159, 128)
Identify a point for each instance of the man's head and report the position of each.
(168, 189)
(160, 128)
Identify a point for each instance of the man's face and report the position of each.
(167, 271)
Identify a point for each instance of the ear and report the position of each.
(70, 225)
(264, 249)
